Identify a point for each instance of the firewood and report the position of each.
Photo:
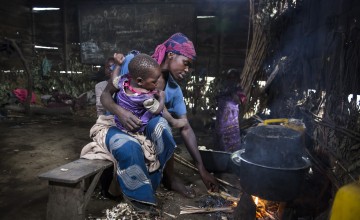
(225, 195)
(192, 209)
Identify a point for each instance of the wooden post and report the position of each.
(66, 55)
(219, 40)
(33, 37)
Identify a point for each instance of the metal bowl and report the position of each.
(215, 161)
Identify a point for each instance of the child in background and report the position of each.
(100, 86)
(229, 96)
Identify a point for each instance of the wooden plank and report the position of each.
(75, 171)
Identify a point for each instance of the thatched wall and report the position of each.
(308, 52)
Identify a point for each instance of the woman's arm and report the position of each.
(188, 136)
(174, 122)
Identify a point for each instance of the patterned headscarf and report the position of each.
(178, 44)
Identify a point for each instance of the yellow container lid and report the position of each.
(346, 204)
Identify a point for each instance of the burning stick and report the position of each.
(184, 162)
(192, 209)
(225, 195)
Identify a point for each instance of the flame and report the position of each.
(256, 199)
(265, 209)
(234, 204)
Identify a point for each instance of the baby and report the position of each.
(138, 92)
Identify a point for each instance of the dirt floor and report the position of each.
(31, 146)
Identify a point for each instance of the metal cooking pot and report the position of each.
(270, 143)
(275, 183)
(215, 161)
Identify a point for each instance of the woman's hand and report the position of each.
(129, 120)
(126, 118)
(209, 180)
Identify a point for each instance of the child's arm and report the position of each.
(160, 95)
(157, 104)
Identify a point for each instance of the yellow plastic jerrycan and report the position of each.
(346, 204)
(293, 123)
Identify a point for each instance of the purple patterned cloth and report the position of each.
(227, 125)
(178, 44)
(133, 103)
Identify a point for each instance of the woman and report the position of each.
(175, 57)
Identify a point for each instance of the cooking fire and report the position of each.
(266, 210)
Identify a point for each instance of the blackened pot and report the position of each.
(273, 143)
(215, 161)
(275, 183)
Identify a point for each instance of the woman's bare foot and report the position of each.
(174, 183)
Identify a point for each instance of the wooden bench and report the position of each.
(71, 186)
